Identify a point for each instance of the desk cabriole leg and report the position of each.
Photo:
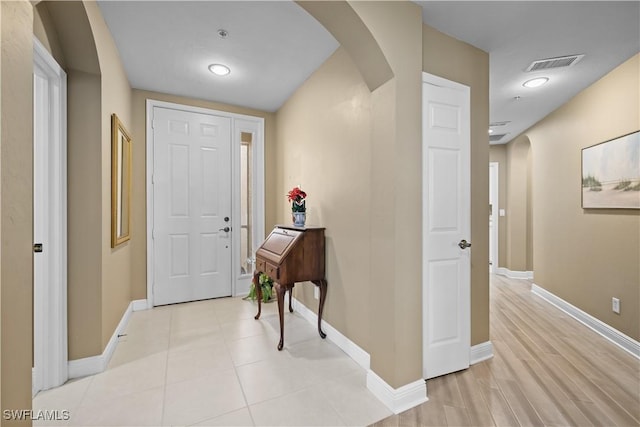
(280, 291)
(322, 284)
(290, 297)
(256, 283)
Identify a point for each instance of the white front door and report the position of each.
(192, 206)
(446, 226)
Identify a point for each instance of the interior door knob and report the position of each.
(226, 229)
(464, 244)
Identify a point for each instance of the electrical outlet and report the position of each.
(615, 305)
(316, 292)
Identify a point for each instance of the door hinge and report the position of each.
(153, 233)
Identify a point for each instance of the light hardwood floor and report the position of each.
(548, 369)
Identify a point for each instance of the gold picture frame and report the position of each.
(121, 152)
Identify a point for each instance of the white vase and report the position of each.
(299, 218)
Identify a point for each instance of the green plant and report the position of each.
(266, 285)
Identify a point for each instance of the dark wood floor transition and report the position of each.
(547, 370)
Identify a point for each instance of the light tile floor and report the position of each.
(209, 363)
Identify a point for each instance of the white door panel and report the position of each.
(446, 222)
(192, 206)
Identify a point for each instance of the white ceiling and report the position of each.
(166, 46)
(274, 46)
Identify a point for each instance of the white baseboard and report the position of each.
(352, 349)
(397, 399)
(514, 274)
(96, 364)
(480, 352)
(139, 305)
(625, 342)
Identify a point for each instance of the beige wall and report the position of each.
(498, 154)
(452, 59)
(519, 205)
(391, 302)
(324, 139)
(396, 354)
(16, 205)
(116, 98)
(391, 305)
(587, 256)
(83, 214)
(138, 209)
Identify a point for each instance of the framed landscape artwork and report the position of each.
(611, 174)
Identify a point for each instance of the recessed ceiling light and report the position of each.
(219, 69)
(535, 82)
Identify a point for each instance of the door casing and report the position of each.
(239, 123)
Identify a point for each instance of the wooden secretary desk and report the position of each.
(289, 255)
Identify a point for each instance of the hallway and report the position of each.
(548, 369)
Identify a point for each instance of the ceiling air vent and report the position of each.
(497, 137)
(494, 124)
(559, 62)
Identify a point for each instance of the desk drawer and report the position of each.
(261, 265)
(273, 271)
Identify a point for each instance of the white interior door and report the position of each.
(49, 222)
(446, 226)
(192, 206)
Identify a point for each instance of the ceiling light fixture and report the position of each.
(223, 34)
(537, 82)
(219, 69)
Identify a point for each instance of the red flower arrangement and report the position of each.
(296, 197)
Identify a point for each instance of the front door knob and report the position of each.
(464, 244)
(226, 229)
